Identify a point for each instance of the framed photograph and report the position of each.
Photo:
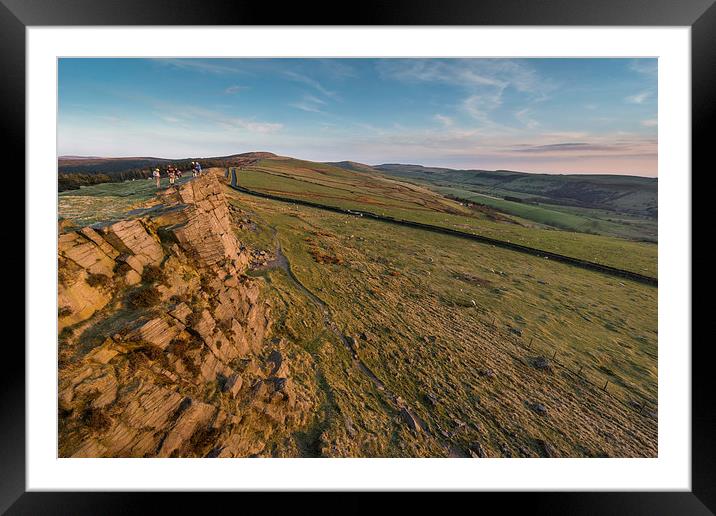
(416, 249)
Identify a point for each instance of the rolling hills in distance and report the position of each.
(618, 205)
(605, 219)
(625, 206)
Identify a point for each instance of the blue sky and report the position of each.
(535, 115)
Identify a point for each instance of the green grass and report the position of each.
(581, 220)
(401, 285)
(439, 313)
(346, 189)
(617, 193)
(107, 201)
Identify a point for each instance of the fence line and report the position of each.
(639, 407)
(540, 253)
(631, 404)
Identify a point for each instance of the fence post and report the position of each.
(529, 346)
(605, 386)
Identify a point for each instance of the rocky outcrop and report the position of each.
(163, 337)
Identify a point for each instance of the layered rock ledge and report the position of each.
(165, 347)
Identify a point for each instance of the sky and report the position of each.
(534, 115)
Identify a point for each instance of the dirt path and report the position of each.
(393, 400)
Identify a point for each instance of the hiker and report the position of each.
(193, 169)
(198, 168)
(171, 172)
(157, 176)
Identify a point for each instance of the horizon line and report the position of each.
(79, 156)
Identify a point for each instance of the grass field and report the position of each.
(467, 335)
(623, 194)
(108, 201)
(361, 191)
(436, 315)
(582, 220)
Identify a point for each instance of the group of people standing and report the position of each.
(173, 173)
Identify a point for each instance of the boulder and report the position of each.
(79, 301)
(541, 363)
(85, 253)
(156, 331)
(196, 415)
(538, 408)
(410, 420)
(233, 384)
(477, 451)
(131, 237)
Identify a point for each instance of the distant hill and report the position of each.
(352, 165)
(630, 195)
(100, 165)
(69, 157)
(625, 194)
(96, 165)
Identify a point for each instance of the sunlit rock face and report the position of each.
(164, 348)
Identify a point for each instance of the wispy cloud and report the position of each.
(430, 70)
(338, 69)
(478, 105)
(484, 81)
(525, 116)
(110, 118)
(446, 121)
(234, 89)
(295, 76)
(199, 65)
(310, 104)
(563, 147)
(235, 122)
(638, 98)
(650, 122)
(258, 127)
(195, 117)
(645, 66)
(595, 147)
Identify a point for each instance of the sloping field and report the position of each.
(627, 194)
(318, 180)
(362, 191)
(582, 220)
(496, 353)
(469, 336)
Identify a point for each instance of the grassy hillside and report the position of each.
(496, 352)
(583, 220)
(99, 165)
(354, 166)
(336, 186)
(445, 325)
(626, 194)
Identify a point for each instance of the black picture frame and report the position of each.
(16, 15)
